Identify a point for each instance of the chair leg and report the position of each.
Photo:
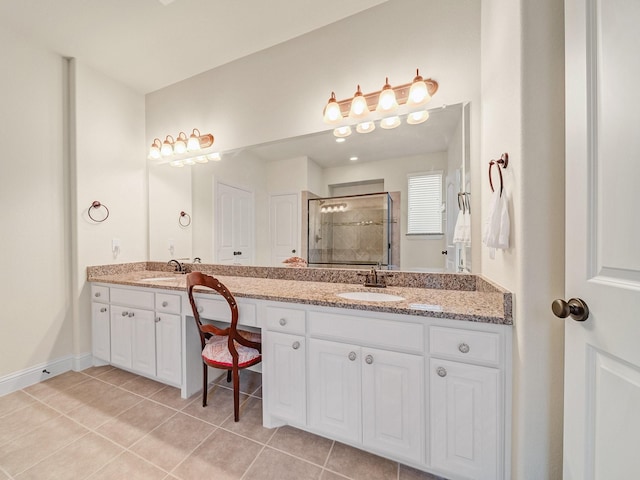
(205, 383)
(236, 395)
(228, 376)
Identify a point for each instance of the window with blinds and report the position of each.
(425, 204)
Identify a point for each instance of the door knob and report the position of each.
(575, 308)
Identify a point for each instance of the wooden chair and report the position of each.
(225, 348)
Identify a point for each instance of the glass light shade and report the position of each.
(332, 113)
(154, 152)
(167, 147)
(341, 132)
(365, 127)
(415, 118)
(179, 147)
(359, 107)
(177, 163)
(418, 93)
(193, 143)
(387, 102)
(390, 122)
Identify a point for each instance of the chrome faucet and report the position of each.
(179, 266)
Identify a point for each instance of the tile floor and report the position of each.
(105, 423)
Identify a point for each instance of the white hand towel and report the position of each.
(497, 225)
(458, 231)
(467, 229)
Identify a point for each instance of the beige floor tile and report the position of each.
(327, 475)
(129, 467)
(173, 441)
(408, 473)
(250, 422)
(25, 420)
(143, 386)
(117, 376)
(14, 401)
(135, 423)
(102, 409)
(4, 476)
(77, 460)
(257, 393)
(222, 456)
(219, 405)
(78, 396)
(250, 381)
(274, 465)
(360, 465)
(308, 446)
(170, 396)
(27, 450)
(97, 371)
(56, 384)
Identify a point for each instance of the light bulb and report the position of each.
(332, 113)
(418, 93)
(365, 127)
(167, 147)
(415, 118)
(390, 122)
(387, 102)
(344, 131)
(359, 107)
(180, 146)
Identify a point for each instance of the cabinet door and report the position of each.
(168, 348)
(335, 390)
(392, 402)
(464, 419)
(143, 341)
(120, 337)
(100, 331)
(284, 368)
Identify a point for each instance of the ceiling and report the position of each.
(150, 44)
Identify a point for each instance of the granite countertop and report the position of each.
(484, 306)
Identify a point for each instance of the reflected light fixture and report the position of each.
(182, 151)
(414, 118)
(390, 122)
(343, 131)
(341, 140)
(365, 127)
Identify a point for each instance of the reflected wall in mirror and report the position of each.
(264, 218)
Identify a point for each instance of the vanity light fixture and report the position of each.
(167, 146)
(384, 102)
(180, 145)
(414, 118)
(154, 151)
(333, 208)
(343, 131)
(182, 150)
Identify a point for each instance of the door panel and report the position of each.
(284, 228)
(602, 359)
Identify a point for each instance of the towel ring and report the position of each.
(96, 205)
(187, 219)
(501, 163)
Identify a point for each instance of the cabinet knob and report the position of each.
(158, 319)
(463, 347)
(369, 359)
(441, 371)
(283, 321)
(352, 356)
(131, 314)
(165, 304)
(97, 294)
(103, 309)
(124, 314)
(296, 345)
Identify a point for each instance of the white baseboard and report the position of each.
(32, 375)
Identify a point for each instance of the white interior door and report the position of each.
(284, 229)
(602, 354)
(233, 225)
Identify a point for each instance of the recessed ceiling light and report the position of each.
(340, 140)
(353, 159)
(166, 2)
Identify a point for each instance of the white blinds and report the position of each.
(425, 204)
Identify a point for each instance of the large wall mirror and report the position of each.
(251, 206)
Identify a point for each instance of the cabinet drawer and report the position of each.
(167, 303)
(403, 336)
(285, 320)
(218, 309)
(464, 344)
(99, 294)
(132, 298)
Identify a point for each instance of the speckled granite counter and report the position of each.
(475, 299)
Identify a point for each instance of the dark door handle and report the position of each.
(444, 252)
(575, 308)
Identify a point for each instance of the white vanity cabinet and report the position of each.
(100, 323)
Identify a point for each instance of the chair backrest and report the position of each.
(199, 279)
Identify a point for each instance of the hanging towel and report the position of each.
(496, 227)
(466, 229)
(459, 230)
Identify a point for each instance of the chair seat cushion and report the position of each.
(216, 350)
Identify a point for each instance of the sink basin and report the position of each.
(160, 279)
(370, 296)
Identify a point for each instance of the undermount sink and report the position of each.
(160, 279)
(370, 296)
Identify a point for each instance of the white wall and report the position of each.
(36, 320)
(523, 114)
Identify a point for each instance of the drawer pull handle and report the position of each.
(283, 321)
(124, 314)
(296, 345)
(369, 359)
(463, 347)
(97, 294)
(165, 304)
(352, 356)
(131, 314)
(441, 371)
(103, 309)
